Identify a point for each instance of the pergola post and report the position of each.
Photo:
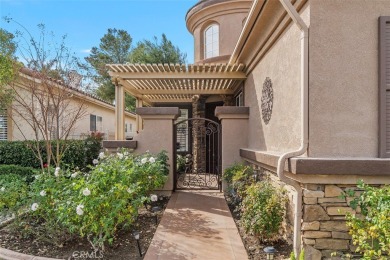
(119, 112)
(138, 104)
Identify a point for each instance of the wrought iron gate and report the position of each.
(197, 146)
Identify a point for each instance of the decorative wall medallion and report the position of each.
(267, 100)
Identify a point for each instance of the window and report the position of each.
(182, 137)
(240, 100)
(95, 123)
(211, 41)
(130, 128)
(3, 125)
(384, 86)
(125, 127)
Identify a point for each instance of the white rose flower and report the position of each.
(36, 177)
(120, 156)
(144, 160)
(150, 177)
(101, 155)
(129, 190)
(86, 192)
(152, 160)
(79, 209)
(34, 206)
(74, 175)
(57, 172)
(2, 189)
(153, 197)
(42, 193)
(95, 161)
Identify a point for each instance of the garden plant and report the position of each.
(371, 231)
(63, 203)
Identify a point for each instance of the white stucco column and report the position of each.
(119, 112)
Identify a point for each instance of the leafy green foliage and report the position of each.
(79, 153)
(25, 172)
(263, 210)
(13, 191)
(8, 66)
(239, 176)
(116, 47)
(301, 255)
(96, 204)
(371, 233)
(157, 52)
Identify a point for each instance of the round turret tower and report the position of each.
(216, 26)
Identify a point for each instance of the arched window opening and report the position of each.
(211, 42)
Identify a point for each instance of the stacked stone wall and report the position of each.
(324, 230)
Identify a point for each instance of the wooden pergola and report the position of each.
(170, 83)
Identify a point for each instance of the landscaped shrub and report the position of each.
(238, 176)
(96, 204)
(371, 233)
(18, 153)
(13, 192)
(80, 153)
(26, 172)
(263, 210)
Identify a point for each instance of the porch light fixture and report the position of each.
(270, 251)
(136, 236)
(155, 210)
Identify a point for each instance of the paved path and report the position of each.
(197, 225)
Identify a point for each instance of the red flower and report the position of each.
(45, 165)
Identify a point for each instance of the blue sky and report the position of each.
(86, 21)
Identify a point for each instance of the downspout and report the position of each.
(304, 122)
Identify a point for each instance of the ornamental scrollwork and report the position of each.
(267, 99)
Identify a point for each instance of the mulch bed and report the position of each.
(253, 245)
(124, 246)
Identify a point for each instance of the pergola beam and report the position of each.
(238, 75)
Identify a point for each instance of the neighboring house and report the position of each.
(313, 78)
(98, 115)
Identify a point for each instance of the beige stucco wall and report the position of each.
(228, 15)
(282, 65)
(18, 125)
(157, 135)
(344, 77)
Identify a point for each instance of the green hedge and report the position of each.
(80, 153)
(25, 172)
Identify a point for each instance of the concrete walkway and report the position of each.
(196, 225)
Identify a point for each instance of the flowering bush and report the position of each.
(96, 204)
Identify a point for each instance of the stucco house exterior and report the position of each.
(301, 91)
(98, 115)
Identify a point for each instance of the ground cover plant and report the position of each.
(66, 203)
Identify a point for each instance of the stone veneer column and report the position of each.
(157, 134)
(198, 133)
(234, 122)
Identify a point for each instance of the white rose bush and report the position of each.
(98, 203)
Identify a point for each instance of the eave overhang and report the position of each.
(156, 83)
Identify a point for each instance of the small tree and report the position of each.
(46, 94)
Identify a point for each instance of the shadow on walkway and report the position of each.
(197, 225)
